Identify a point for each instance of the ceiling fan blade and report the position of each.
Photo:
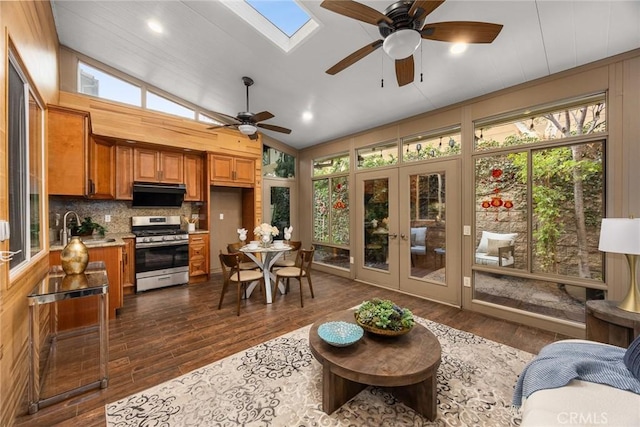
(404, 70)
(219, 117)
(461, 31)
(424, 7)
(354, 57)
(356, 10)
(262, 116)
(274, 128)
(223, 126)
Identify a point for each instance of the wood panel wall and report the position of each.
(28, 27)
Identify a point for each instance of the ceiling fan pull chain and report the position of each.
(421, 68)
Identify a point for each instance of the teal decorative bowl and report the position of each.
(340, 334)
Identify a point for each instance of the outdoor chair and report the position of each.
(418, 243)
(231, 273)
(496, 249)
(302, 268)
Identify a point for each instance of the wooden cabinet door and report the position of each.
(102, 164)
(220, 168)
(244, 171)
(128, 266)
(171, 167)
(75, 313)
(67, 144)
(193, 177)
(146, 164)
(124, 172)
(198, 257)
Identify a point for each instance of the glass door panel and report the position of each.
(377, 228)
(430, 231)
(279, 197)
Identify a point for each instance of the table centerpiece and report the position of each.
(266, 233)
(384, 317)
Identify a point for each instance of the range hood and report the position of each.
(155, 195)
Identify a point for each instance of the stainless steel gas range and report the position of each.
(162, 252)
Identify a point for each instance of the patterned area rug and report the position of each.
(279, 383)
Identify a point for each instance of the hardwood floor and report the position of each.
(161, 334)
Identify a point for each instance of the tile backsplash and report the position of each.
(120, 211)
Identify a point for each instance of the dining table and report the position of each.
(265, 257)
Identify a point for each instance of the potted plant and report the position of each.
(86, 228)
(384, 317)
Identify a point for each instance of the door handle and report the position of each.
(403, 236)
(393, 235)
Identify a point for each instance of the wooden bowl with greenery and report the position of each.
(384, 317)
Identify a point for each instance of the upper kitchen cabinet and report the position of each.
(79, 165)
(231, 171)
(68, 133)
(124, 172)
(158, 166)
(193, 177)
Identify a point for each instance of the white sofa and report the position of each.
(581, 403)
(496, 249)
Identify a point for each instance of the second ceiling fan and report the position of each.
(246, 122)
(401, 27)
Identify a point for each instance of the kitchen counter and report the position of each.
(110, 239)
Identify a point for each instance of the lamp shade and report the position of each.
(620, 235)
(401, 44)
(247, 129)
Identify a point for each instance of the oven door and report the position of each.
(161, 256)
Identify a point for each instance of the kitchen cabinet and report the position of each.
(68, 140)
(79, 165)
(193, 177)
(102, 169)
(128, 266)
(151, 165)
(84, 311)
(124, 172)
(231, 171)
(198, 257)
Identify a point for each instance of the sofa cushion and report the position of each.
(483, 247)
(632, 357)
(494, 245)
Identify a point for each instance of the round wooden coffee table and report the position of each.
(407, 364)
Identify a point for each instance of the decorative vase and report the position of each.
(74, 257)
(266, 240)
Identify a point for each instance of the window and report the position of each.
(541, 194)
(432, 145)
(380, 155)
(25, 156)
(164, 105)
(94, 82)
(286, 15)
(277, 164)
(331, 211)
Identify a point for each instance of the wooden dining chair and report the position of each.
(301, 269)
(246, 263)
(231, 273)
(289, 258)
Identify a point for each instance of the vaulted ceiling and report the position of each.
(206, 49)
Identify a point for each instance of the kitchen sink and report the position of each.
(99, 241)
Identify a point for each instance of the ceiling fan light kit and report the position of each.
(247, 129)
(401, 44)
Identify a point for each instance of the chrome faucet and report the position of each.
(65, 231)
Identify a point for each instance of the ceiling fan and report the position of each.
(246, 122)
(401, 27)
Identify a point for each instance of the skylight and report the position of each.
(284, 22)
(286, 15)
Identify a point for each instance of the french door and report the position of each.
(409, 230)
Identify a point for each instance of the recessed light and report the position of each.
(155, 26)
(458, 48)
(307, 116)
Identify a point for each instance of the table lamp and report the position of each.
(622, 236)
